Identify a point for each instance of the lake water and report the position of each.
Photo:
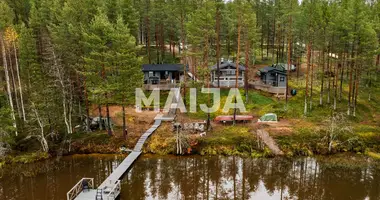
(195, 177)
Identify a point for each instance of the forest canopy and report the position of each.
(60, 58)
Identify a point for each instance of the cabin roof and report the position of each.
(162, 67)
(270, 69)
(227, 64)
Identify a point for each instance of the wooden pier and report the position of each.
(110, 188)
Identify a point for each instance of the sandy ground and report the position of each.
(137, 123)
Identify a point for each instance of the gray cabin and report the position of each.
(273, 76)
(227, 74)
(162, 76)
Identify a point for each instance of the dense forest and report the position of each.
(60, 58)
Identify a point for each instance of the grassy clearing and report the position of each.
(230, 140)
(256, 101)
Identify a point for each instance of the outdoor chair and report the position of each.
(85, 185)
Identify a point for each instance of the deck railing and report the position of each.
(115, 191)
(78, 188)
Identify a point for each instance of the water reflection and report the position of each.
(51, 180)
(197, 178)
(237, 178)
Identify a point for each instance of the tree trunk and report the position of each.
(148, 39)
(237, 64)
(162, 40)
(87, 105)
(8, 81)
(328, 73)
(289, 59)
(357, 82)
(41, 137)
(322, 77)
(124, 124)
(274, 38)
(100, 117)
(352, 64)
(157, 45)
(218, 44)
(298, 67)
(278, 47)
(377, 66)
(247, 46)
(58, 73)
(268, 38)
(141, 35)
(307, 75)
(184, 56)
(262, 40)
(336, 80)
(229, 45)
(19, 83)
(311, 81)
(344, 65)
(14, 82)
(172, 43)
(109, 120)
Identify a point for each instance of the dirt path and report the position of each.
(269, 142)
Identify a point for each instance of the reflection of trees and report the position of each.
(152, 173)
(134, 182)
(165, 170)
(240, 178)
(374, 189)
(215, 171)
(200, 178)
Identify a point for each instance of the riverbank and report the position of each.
(295, 134)
(238, 140)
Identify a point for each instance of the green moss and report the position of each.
(24, 158)
(373, 155)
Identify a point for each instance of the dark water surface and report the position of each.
(195, 178)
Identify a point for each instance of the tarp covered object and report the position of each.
(270, 117)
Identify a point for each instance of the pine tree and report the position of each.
(127, 72)
(201, 31)
(98, 44)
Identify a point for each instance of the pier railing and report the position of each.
(78, 188)
(115, 191)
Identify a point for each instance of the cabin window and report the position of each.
(150, 74)
(231, 72)
(282, 79)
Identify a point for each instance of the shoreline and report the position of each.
(49, 165)
(344, 157)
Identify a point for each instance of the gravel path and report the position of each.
(269, 141)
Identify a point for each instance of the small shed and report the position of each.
(162, 73)
(273, 76)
